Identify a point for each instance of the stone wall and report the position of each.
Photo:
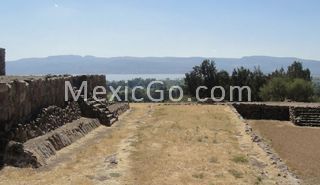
(36, 121)
(2, 62)
(49, 119)
(299, 115)
(305, 116)
(25, 102)
(33, 143)
(263, 111)
(106, 112)
(35, 152)
(21, 98)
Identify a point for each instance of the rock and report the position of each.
(112, 159)
(16, 155)
(256, 138)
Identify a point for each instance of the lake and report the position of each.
(117, 77)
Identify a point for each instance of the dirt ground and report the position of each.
(299, 147)
(157, 144)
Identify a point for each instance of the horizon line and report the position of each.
(127, 56)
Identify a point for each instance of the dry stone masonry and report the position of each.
(301, 115)
(36, 121)
(36, 151)
(2, 62)
(22, 98)
(305, 116)
(98, 109)
(274, 157)
(262, 111)
(48, 119)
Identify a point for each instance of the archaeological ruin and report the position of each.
(36, 121)
(299, 114)
(2, 62)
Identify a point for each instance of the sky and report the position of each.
(182, 28)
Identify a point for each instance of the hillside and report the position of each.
(73, 64)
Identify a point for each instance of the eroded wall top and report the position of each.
(23, 97)
(2, 62)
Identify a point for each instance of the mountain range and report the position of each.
(74, 64)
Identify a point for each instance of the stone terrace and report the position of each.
(34, 107)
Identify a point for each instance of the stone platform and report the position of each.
(36, 121)
(35, 152)
(301, 114)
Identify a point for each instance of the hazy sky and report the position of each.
(210, 28)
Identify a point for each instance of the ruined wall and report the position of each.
(49, 119)
(21, 98)
(36, 121)
(2, 62)
(301, 115)
(35, 152)
(262, 111)
(305, 116)
(33, 106)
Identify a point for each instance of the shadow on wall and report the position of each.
(2, 62)
(262, 111)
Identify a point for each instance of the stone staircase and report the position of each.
(305, 116)
(98, 109)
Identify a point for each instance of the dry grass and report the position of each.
(83, 162)
(157, 144)
(240, 159)
(190, 144)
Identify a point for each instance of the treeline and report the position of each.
(291, 84)
(294, 83)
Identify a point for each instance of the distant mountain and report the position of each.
(73, 64)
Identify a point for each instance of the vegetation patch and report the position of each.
(198, 175)
(213, 159)
(240, 159)
(235, 173)
(115, 174)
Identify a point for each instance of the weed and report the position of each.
(258, 181)
(115, 174)
(240, 159)
(198, 176)
(236, 173)
(213, 160)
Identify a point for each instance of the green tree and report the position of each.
(300, 90)
(316, 86)
(274, 90)
(193, 80)
(203, 75)
(223, 79)
(296, 70)
(240, 77)
(257, 80)
(279, 89)
(278, 73)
